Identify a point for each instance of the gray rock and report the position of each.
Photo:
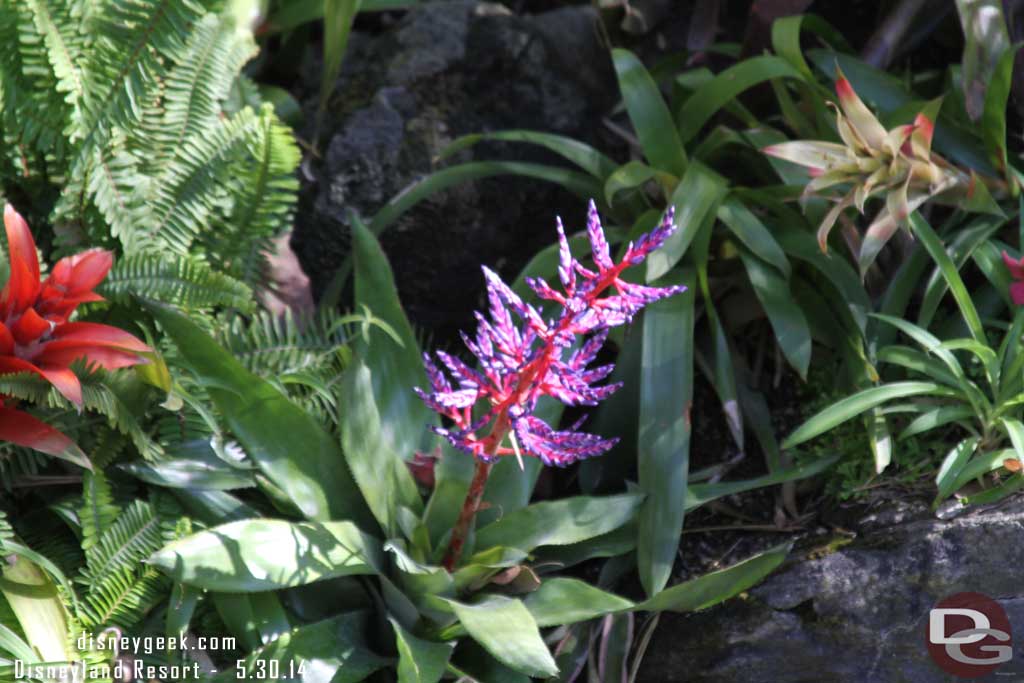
(858, 613)
(443, 70)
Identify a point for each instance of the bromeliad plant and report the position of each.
(968, 390)
(520, 365)
(898, 164)
(737, 244)
(357, 526)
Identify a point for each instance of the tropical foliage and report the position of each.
(178, 461)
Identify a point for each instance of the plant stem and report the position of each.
(468, 513)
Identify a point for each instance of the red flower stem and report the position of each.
(468, 513)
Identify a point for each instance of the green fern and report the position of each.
(272, 346)
(122, 105)
(98, 511)
(124, 598)
(174, 279)
(135, 535)
(99, 395)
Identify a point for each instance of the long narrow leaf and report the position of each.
(663, 448)
(650, 116)
(852, 406)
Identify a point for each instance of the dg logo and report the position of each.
(969, 635)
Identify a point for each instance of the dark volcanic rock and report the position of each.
(858, 613)
(443, 70)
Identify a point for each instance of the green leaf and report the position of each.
(583, 155)
(263, 554)
(787, 320)
(985, 41)
(453, 473)
(786, 39)
(336, 650)
(952, 465)
(382, 476)
(713, 588)
(180, 608)
(650, 116)
(618, 542)
(933, 244)
(844, 278)
(559, 522)
(1015, 430)
(701, 494)
(725, 87)
(963, 245)
(29, 584)
(179, 280)
(981, 464)
(338, 18)
(12, 644)
(928, 341)
(253, 618)
(993, 117)
(404, 418)
(474, 663)
(420, 661)
(214, 507)
(989, 261)
(193, 466)
(663, 444)
(286, 443)
(918, 361)
(935, 418)
(749, 229)
(505, 628)
(996, 494)
(695, 199)
(633, 174)
(860, 402)
(582, 185)
(567, 601)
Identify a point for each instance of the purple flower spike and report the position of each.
(565, 271)
(653, 240)
(597, 241)
(521, 363)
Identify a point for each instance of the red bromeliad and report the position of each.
(37, 337)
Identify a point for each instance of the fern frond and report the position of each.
(135, 39)
(187, 197)
(97, 397)
(265, 190)
(17, 463)
(178, 280)
(57, 24)
(194, 89)
(34, 113)
(106, 447)
(128, 106)
(123, 599)
(98, 511)
(272, 346)
(135, 535)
